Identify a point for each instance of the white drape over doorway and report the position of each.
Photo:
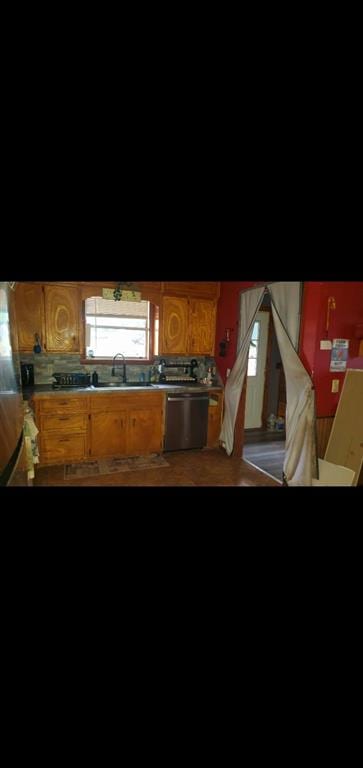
(300, 452)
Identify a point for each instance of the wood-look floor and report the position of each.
(204, 468)
(267, 456)
(265, 449)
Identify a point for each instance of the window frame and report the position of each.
(154, 313)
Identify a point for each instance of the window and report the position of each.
(253, 352)
(118, 326)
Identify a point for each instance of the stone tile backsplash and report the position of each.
(45, 365)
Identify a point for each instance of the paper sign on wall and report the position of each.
(339, 355)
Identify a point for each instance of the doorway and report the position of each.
(264, 436)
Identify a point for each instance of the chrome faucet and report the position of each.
(113, 372)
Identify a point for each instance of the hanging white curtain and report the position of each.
(300, 451)
(250, 304)
(287, 299)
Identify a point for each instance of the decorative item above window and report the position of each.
(127, 292)
(123, 292)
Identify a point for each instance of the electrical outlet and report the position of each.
(335, 385)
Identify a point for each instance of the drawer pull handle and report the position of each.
(65, 440)
(64, 418)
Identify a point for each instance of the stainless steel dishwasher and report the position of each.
(186, 421)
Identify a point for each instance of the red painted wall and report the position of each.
(343, 320)
(228, 317)
(348, 313)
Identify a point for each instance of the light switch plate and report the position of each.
(335, 385)
(325, 344)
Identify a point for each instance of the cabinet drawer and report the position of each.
(62, 405)
(66, 423)
(60, 449)
(106, 403)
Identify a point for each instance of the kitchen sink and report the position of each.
(121, 385)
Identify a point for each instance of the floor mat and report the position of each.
(110, 466)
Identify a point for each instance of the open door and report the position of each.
(300, 464)
(256, 371)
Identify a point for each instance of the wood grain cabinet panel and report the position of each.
(108, 433)
(174, 335)
(203, 289)
(144, 432)
(202, 326)
(29, 307)
(59, 449)
(62, 318)
(63, 405)
(188, 326)
(64, 423)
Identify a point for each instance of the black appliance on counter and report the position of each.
(178, 373)
(27, 374)
(71, 380)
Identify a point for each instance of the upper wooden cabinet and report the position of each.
(29, 305)
(50, 311)
(203, 289)
(202, 326)
(188, 326)
(61, 318)
(174, 326)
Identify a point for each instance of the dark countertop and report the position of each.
(47, 390)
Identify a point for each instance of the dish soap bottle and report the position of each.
(95, 378)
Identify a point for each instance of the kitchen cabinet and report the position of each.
(50, 311)
(29, 307)
(126, 425)
(144, 431)
(63, 429)
(188, 326)
(215, 413)
(202, 327)
(108, 434)
(197, 289)
(174, 327)
(61, 305)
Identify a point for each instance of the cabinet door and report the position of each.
(144, 432)
(202, 320)
(174, 336)
(62, 318)
(29, 306)
(108, 434)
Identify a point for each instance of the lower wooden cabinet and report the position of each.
(108, 434)
(59, 449)
(215, 413)
(77, 428)
(63, 428)
(127, 425)
(144, 431)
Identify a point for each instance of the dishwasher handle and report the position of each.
(186, 397)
